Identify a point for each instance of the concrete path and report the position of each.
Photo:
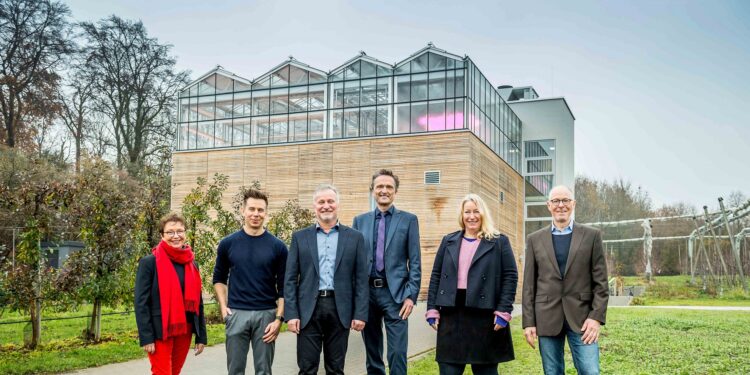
(213, 359)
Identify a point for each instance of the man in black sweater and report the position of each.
(252, 262)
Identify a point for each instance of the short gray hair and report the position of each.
(324, 187)
(570, 192)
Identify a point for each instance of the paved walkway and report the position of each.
(421, 340)
(213, 359)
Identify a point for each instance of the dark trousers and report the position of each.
(458, 369)
(324, 331)
(384, 309)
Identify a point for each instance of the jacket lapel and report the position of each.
(575, 244)
(343, 237)
(549, 249)
(392, 227)
(453, 246)
(311, 242)
(484, 247)
(367, 228)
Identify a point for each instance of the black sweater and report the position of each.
(561, 244)
(253, 267)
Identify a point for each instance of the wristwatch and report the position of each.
(280, 318)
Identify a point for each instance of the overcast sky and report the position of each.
(660, 89)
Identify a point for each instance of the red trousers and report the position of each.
(170, 355)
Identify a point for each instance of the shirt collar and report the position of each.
(567, 229)
(389, 211)
(334, 228)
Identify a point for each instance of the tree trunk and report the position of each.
(36, 324)
(98, 327)
(78, 153)
(94, 333)
(10, 126)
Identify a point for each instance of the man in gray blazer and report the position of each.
(392, 242)
(325, 286)
(565, 288)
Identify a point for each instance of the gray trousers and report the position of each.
(244, 328)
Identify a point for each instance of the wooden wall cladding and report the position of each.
(294, 171)
(186, 169)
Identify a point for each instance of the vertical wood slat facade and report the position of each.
(293, 171)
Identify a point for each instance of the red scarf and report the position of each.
(174, 305)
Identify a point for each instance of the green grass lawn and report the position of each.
(63, 349)
(648, 341)
(677, 291)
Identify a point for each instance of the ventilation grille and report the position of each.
(432, 177)
(502, 197)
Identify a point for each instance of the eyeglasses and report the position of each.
(178, 233)
(565, 201)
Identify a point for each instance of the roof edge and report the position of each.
(543, 99)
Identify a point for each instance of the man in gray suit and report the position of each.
(392, 240)
(565, 288)
(325, 286)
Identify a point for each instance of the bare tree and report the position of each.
(76, 107)
(136, 84)
(34, 40)
(735, 199)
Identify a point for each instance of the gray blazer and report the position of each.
(582, 294)
(402, 257)
(302, 277)
(492, 279)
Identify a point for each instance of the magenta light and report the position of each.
(438, 122)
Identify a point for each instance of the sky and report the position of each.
(659, 89)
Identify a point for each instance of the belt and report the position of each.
(377, 282)
(325, 293)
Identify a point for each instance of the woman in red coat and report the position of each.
(168, 302)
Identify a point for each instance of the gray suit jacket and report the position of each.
(350, 277)
(582, 294)
(402, 257)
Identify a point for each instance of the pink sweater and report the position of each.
(465, 255)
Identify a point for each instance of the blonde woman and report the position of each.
(472, 289)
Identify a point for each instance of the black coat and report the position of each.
(148, 306)
(492, 279)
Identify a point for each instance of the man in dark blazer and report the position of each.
(325, 286)
(392, 242)
(565, 289)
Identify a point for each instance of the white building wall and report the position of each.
(550, 119)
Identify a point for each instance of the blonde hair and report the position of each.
(487, 230)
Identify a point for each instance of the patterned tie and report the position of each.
(380, 245)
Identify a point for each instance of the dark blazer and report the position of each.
(351, 274)
(402, 257)
(148, 306)
(492, 278)
(583, 293)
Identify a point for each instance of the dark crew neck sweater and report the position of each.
(253, 268)
(561, 244)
